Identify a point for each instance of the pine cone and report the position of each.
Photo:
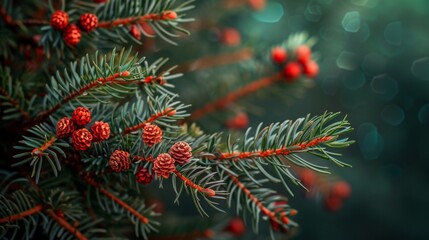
(81, 116)
(65, 127)
(88, 22)
(181, 152)
(119, 161)
(59, 20)
(163, 165)
(72, 35)
(152, 134)
(81, 139)
(100, 131)
(143, 176)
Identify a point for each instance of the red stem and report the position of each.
(252, 198)
(166, 112)
(209, 192)
(24, 214)
(39, 151)
(235, 95)
(117, 200)
(133, 20)
(66, 225)
(272, 152)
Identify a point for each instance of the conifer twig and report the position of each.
(133, 20)
(61, 221)
(207, 191)
(165, 112)
(23, 214)
(235, 95)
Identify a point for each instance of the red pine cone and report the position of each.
(81, 116)
(72, 35)
(81, 139)
(303, 54)
(65, 127)
(119, 161)
(88, 22)
(279, 55)
(135, 32)
(236, 227)
(292, 71)
(163, 165)
(59, 20)
(143, 176)
(181, 152)
(152, 134)
(100, 131)
(311, 69)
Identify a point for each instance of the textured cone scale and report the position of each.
(88, 22)
(278, 55)
(292, 71)
(181, 152)
(100, 131)
(81, 116)
(59, 20)
(143, 176)
(72, 35)
(341, 190)
(311, 69)
(303, 54)
(163, 165)
(236, 227)
(81, 139)
(119, 161)
(135, 32)
(152, 134)
(65, 127)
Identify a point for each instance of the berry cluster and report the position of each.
(71, 31)
(295, 65)
(75, 127)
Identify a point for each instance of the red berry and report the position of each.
(333, 203)
(72, 35)
(303, 53)
(239, 121)
(257, 4)
(169, 15)
(278, 55)
(311, 69)
(307, 178)
(341, 190)
(135, 32)
(230, 37)
(59, 20)
(59, 213)
(88, 22)
(292, 71)
(236, 227)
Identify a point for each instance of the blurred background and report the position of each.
(374, 61)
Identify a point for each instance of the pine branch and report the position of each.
(234, 96)
(163, 16)
(10, 22)
(166, 112)
(36, 209)
(124, 205)
(12, 94)
(63, 223)
(207, 191)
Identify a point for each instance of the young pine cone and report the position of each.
(163, 165)
(119, 161)
(181, 152)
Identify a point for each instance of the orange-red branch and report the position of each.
(124, 205)
(167, 15)
(272, 152)
(207, 191)
(252, 198)
(39, 151)
(166, 112)
(61, 221)
(21, 215)
(235, 95)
